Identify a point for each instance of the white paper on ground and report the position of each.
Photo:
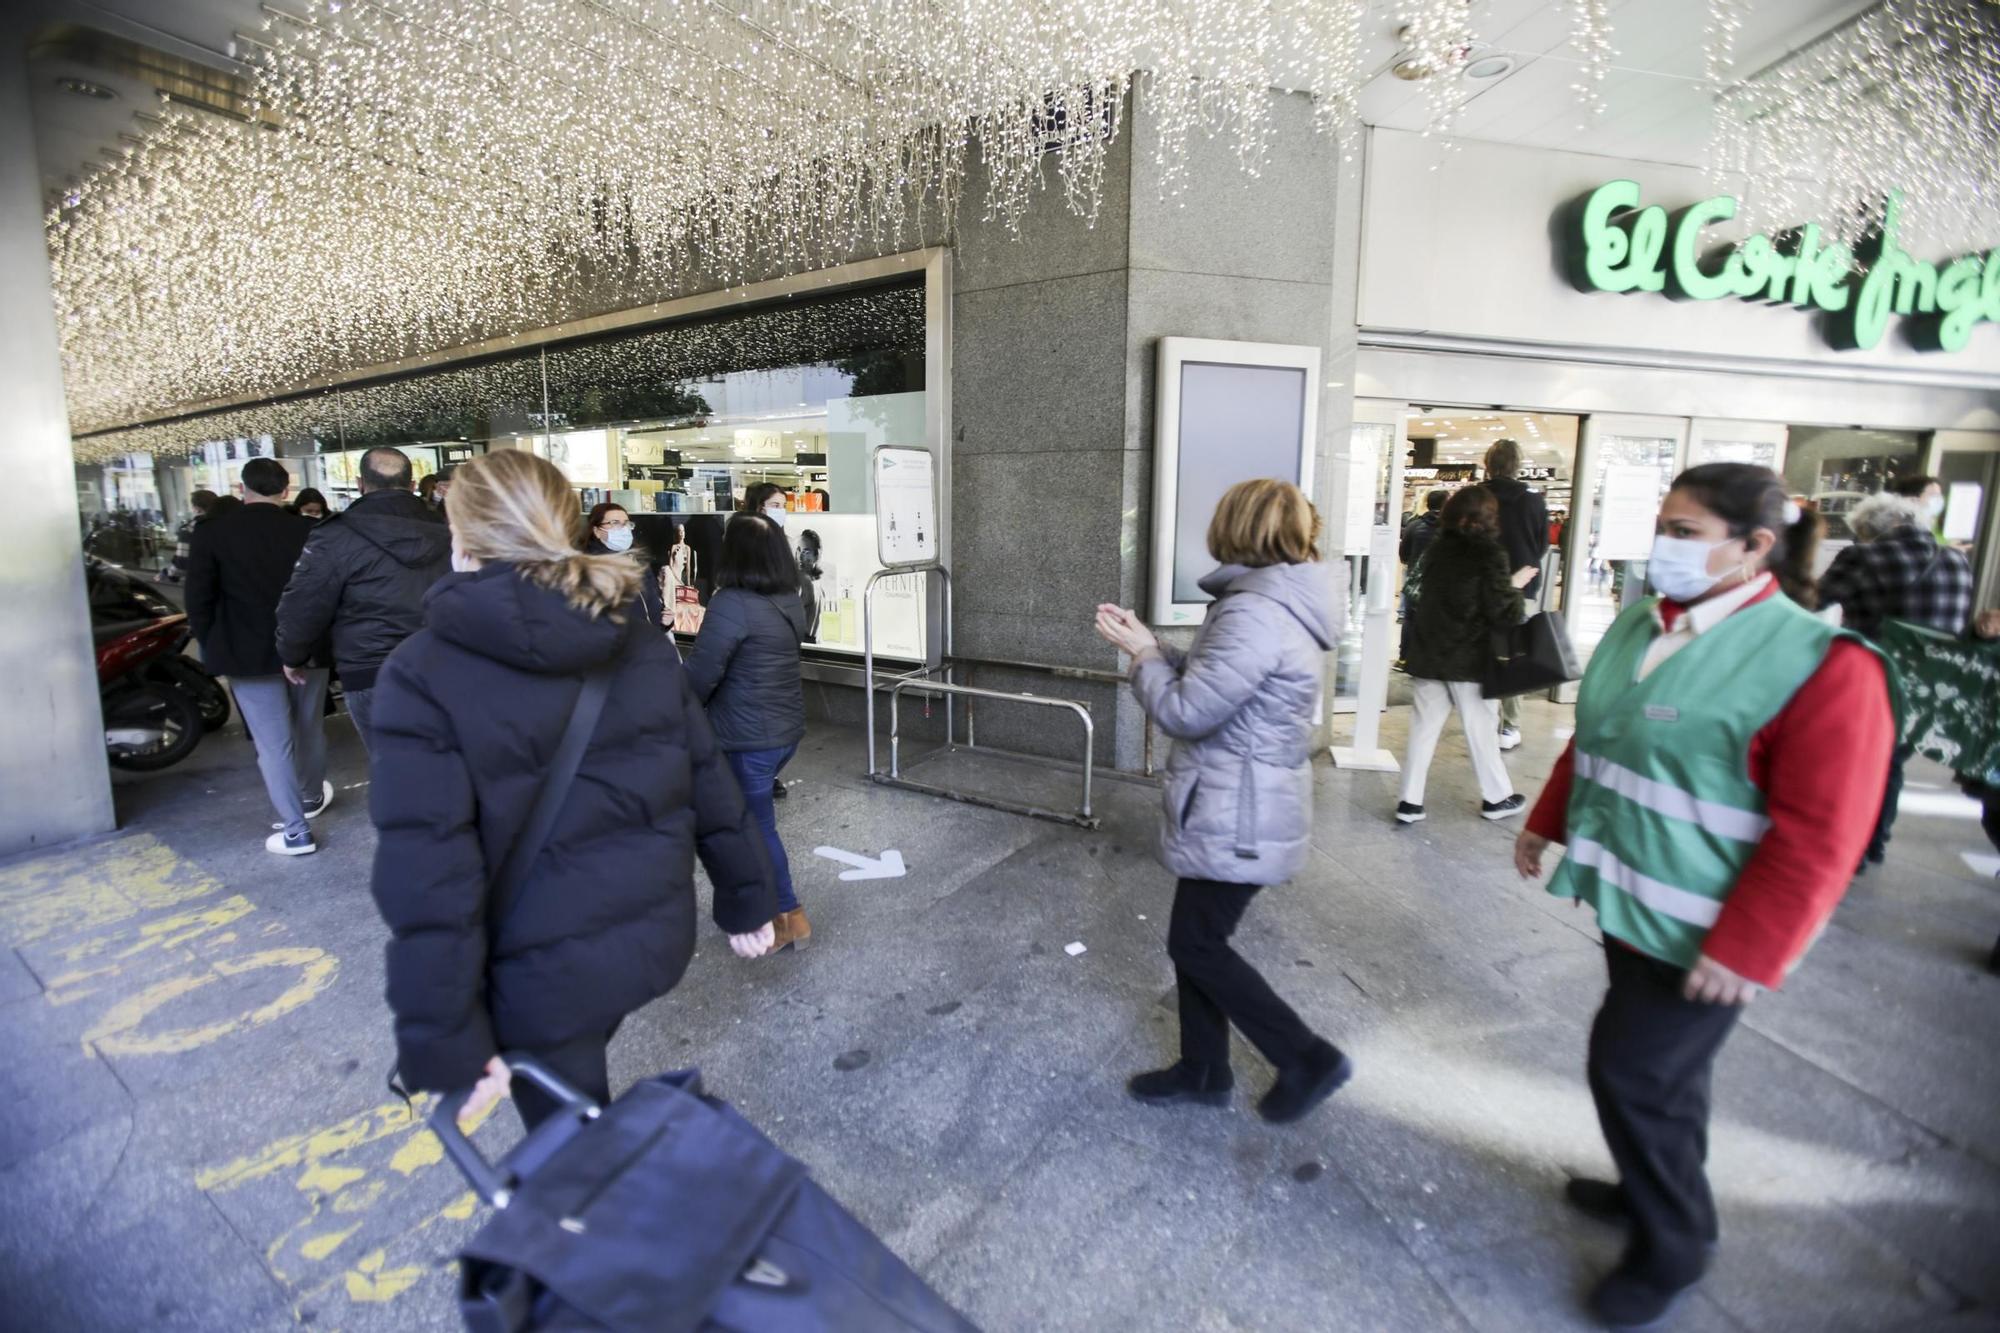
(1074, 949)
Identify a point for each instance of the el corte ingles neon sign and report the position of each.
(1613, 245)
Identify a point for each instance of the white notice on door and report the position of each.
(905, 507)
(1628, 511)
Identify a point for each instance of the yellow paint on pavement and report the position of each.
(94, 886)
(369, 1283)
(169, 932)
(319, 1178)
(115, 1033)
(298, 1149)
(319, 1247)
(462, 1207)
(423, 1150)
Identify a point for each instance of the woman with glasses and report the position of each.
(612, 533)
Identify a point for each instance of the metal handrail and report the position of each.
(868, 651)
(1082, 711)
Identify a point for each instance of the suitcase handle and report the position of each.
(496, 1183)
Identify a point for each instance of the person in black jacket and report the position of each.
(238, 563)
(1524, 535)
(745, 668)
(1464, 593)
(1418, 534)
(362, 580)
(611, 533)
(469, 712)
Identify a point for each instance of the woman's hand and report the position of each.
(1123, 630)
(1528, 849)
(1711, 983)
(1524, 576)
(757, 943)
(487, 1091)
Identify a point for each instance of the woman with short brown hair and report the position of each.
(1239, 706)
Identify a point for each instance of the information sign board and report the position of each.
(906, 507)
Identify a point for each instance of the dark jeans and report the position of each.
(580, 1063)
(1217, 987)
(756, 771)
(1892, 796)
(361, 708)
(1652, 1054)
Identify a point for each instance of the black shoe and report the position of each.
(1993, 962)
(1506, 809)
(1306, 1084)
(1600, 1199)
(1876, 855)
(1203, 1085)
(1409, 814)
(777, 791)
(1624, 1300)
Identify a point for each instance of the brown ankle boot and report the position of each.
(793, 929)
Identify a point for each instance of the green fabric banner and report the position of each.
(1951, 696)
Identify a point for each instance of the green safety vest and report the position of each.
(1663, 816)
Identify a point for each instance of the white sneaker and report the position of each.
(280, 845)
(313, 811)
(1509, 737)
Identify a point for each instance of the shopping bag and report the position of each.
(1533, 655)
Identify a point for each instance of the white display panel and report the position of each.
(1228, 412)
(905, 507)
(837, 555)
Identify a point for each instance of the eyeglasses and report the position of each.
(616, 523)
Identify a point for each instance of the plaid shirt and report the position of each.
(1902, 575)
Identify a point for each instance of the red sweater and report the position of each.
(1822, 764)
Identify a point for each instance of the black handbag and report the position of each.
(1533, 655)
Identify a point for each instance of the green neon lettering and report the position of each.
(1688, 279)
(1830, 278)
(1960, 301)
(1622, 255)
(1991, 286)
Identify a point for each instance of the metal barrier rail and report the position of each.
(951, 690)
(1083, 818)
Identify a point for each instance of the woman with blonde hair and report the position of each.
(535, 864)
(1238, 808)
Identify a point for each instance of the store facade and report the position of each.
(1482, 310)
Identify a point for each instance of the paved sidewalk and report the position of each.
(196, 1134)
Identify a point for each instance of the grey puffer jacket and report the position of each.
(1239, 707)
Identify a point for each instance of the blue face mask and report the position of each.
(1678, 567)
(776, 514)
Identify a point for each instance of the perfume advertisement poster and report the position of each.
(836, 555)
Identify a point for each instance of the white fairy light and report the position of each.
(427, 174)
(1591, 36)
(1905, 99)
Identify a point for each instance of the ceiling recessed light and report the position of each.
(1490, 67)
(85, 88)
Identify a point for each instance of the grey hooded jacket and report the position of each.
(1239, 707)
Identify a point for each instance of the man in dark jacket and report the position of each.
(1418, 534)
(363, 578)
(238, 564)
(1524, 533)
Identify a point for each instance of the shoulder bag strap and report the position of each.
(541, 821)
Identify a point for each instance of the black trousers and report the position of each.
(580, 1063)
(1217, 987)
(1652, 1055)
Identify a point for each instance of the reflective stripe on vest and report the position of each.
(1726, 821)
(1665, 899)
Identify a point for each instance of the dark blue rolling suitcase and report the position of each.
(670, 1213)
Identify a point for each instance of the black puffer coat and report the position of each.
(745, 668)
(468, 713)
(1463, 594)
(363, 577)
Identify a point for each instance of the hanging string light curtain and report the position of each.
(424, 174)
(1906, 99)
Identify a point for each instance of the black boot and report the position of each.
(1626, 1300)
(1306, 1084)
(1203, 1085)
(1600, 1199)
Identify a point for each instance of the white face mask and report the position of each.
(1678, 567)
(776, 513)
(618, 539)
(1934, 507)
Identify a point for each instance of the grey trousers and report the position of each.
(290, 736)
(361, 708)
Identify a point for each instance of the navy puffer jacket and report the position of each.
(745, 669)
(468, 714)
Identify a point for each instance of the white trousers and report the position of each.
(1479, 716)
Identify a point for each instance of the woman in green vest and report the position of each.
(1726, 768)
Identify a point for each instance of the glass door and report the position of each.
(1967, 464)
(1625, 466)
(1368, 530)
(1759, 442)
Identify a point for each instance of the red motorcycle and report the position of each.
(148, 724)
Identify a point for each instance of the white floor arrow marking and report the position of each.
(888, 866)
